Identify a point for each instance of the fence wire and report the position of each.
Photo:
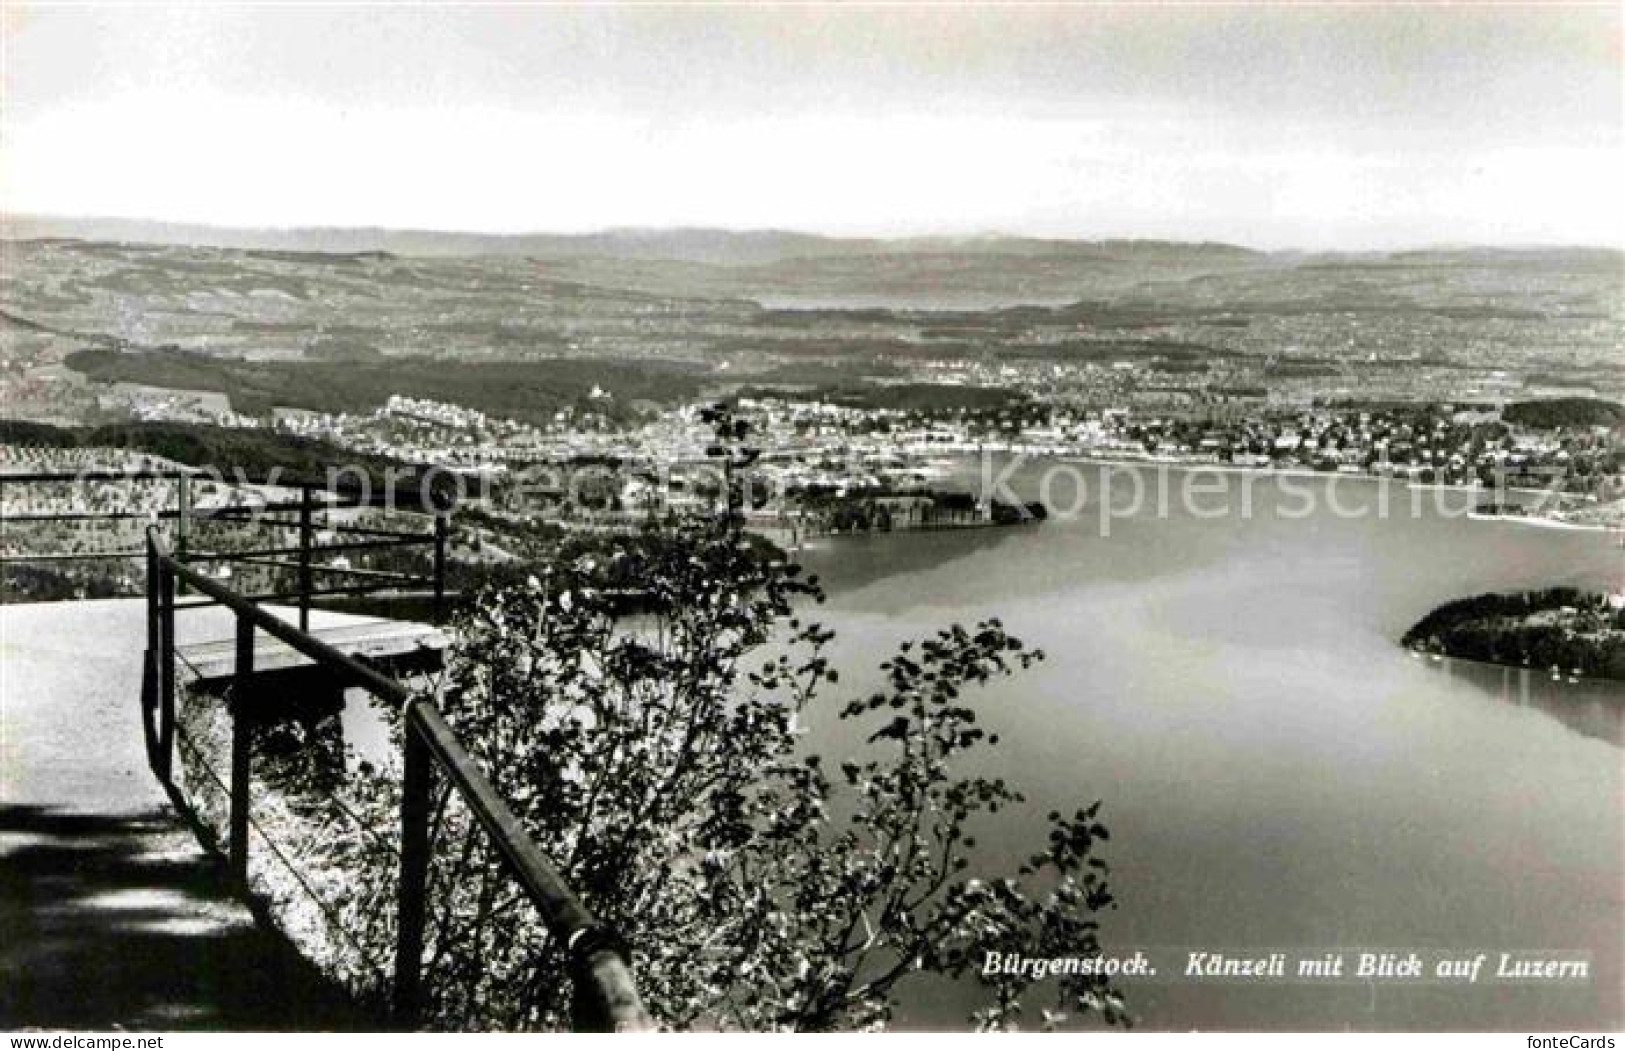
(324, 871)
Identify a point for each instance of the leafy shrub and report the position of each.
(656, 759)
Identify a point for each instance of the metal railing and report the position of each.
(606, 997)
(308, 516)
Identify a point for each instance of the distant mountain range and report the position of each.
(719, 247)
(688, 244)
(801, 270)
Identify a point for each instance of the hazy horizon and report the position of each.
(951, 236)
(1312, 128)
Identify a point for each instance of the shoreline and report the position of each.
(1542, 674)
(1545, 523)
(1289, 472)
(1299, 472)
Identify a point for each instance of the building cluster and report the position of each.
(813, 445)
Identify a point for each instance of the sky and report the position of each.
(1278, 126)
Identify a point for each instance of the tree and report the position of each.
(733, 452)
(638, 703)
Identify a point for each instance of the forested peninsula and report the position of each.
(1570, 631)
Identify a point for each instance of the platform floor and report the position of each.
(111, 914)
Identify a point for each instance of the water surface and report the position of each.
(1275, 770)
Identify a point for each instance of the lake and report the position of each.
(1277, 773)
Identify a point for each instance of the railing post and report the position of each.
(417, 784)
(149, 662)
(166, 672)
(304, 557)
(152, 600)
(242, 716)
(440, 531)
(183, 515)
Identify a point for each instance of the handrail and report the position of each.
(316, 498)
(195, 555)
(273, 479)
(99, 474)
(275, 626)
(607, 996)
(88, 516)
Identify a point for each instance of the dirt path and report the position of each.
(111, 915)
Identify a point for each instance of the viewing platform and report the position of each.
(139, 887)
(111, 913)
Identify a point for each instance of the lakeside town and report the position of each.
(1573, 462)
(818, 467)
